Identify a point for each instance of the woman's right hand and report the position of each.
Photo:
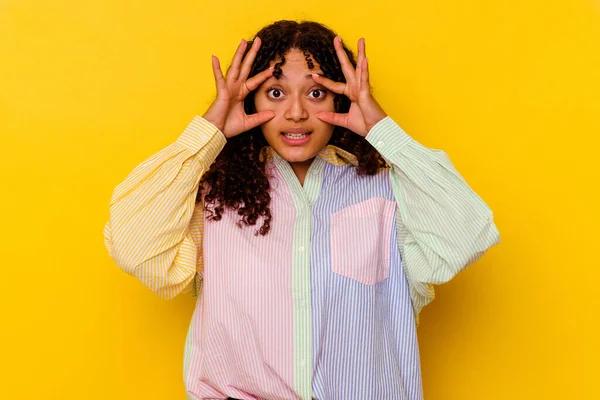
(227, 111)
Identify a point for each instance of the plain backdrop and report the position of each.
(510, 90)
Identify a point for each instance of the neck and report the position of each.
(300, 169)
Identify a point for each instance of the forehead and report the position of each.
(297, 61)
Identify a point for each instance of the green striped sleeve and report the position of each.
(443, 225)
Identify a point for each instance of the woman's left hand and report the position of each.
(364, 111)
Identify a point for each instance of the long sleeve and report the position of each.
(154, 231)
(443, 225)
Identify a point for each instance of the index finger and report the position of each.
(259, 78)
(347, 67)
(234, 69)
(250, 58)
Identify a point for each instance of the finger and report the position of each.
(253, 120)
(247, 64)
(234, 69)
(259, 78)
(347, 67)
(357, 75)
(333, 118)
(359, 63)
(219, 79)
(336, 87)
(361, 51)
(365, 74)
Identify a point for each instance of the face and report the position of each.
(296, 99)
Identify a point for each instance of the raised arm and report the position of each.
(443, 225)
(155, 228)
(150, 233)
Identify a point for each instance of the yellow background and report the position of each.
(510, 90)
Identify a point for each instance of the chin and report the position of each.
(296, 154)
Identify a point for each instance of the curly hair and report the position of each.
(237, 180)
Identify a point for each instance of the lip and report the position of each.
(296, 142)
(296, 130)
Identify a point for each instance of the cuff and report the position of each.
(388, 137)
(198, 133)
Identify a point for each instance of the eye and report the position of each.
(276, 92)
(322, 91)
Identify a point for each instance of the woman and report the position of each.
(309, 226)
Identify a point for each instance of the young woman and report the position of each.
(309, 226)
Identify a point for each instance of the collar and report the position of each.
(330, 153)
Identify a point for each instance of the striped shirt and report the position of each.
(326, 305)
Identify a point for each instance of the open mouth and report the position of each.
(296, 139)
(295, 136)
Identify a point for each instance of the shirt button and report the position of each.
(301, 248)
(302, 304)
(380, 143)
(303, 363)
(491, 217)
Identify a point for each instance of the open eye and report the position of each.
(277, 93)
(322, 91)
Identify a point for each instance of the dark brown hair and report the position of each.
(237, 179)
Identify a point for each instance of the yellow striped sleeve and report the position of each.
(443, 225)
(154, 231)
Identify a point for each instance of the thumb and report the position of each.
(333, 118)
(259, 118)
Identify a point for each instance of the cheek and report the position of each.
(261, 102)
(329, 104)
(258, 102)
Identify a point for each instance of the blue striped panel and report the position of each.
(364, 336)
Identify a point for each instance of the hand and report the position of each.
(227, 110)
(364, 110)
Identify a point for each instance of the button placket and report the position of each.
(303, 197)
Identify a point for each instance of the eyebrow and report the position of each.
(307, 76)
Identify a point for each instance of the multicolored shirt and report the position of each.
(326, 305)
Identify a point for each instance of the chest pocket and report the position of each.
(360, 240)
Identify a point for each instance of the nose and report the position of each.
(296, 111)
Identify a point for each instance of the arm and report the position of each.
(443, 225)
(154, 232)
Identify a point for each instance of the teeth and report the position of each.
(295, 135)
